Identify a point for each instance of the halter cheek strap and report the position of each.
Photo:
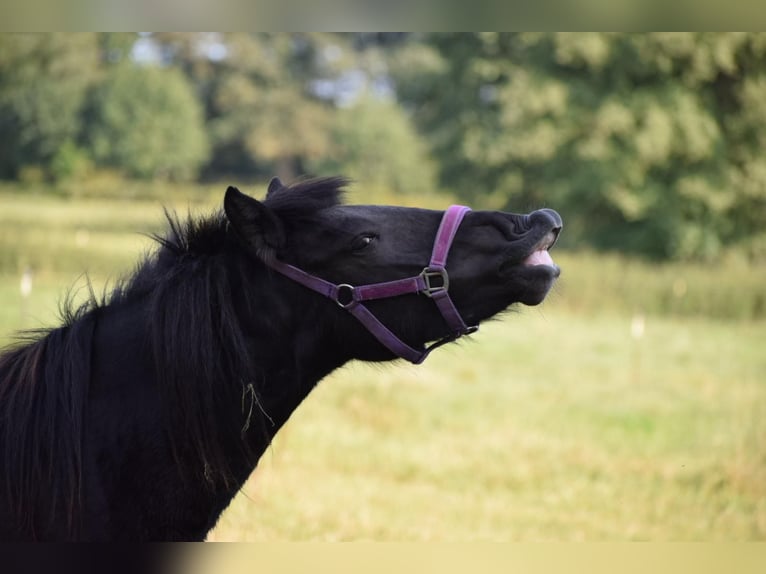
(432, 282)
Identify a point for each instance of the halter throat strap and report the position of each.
(432, 282)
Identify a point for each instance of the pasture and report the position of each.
(630, 406)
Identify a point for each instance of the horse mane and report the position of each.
(202, 360)
(43, 388)
(195, 333)
(200, 355)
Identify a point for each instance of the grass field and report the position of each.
(549, 426)
(556, 423)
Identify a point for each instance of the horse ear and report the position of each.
(254, 223)
(274, 185)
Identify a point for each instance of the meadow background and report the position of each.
(631, 405)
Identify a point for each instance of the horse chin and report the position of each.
(530, 284)
(536, 296)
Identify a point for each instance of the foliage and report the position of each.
(44, 79)
(374, 143)
(648, 142)
(262, 115)
(147, 122)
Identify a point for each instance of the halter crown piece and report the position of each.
(432, 282)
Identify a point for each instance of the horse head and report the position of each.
(381, 262)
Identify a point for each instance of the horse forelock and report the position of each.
(308, 196)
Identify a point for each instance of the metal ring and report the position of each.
(351, 296)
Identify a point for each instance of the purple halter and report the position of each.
(432, 282)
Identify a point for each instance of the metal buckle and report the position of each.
(351, 298)
(427, 274)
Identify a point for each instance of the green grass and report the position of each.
(549, 426)
(552, 424)
(729, 289)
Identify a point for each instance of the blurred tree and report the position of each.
(649, 142)
(116, 47)
(44, 79)
(375, 143)
(263, 114)
(146, 121)
(271, 100)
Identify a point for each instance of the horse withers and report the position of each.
(127, 422)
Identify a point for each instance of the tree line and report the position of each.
(648, 143)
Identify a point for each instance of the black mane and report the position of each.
(43, 389)
(196, 341)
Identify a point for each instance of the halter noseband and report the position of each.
(432, 282)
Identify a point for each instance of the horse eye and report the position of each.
(362, 241)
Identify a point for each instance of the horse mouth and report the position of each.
(540, 255)
(527, 259)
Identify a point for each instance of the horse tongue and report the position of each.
(540, 257)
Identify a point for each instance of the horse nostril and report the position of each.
(555, 231)
(547, 217)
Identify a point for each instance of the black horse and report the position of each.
(143, 415)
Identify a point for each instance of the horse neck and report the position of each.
(228, 414)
